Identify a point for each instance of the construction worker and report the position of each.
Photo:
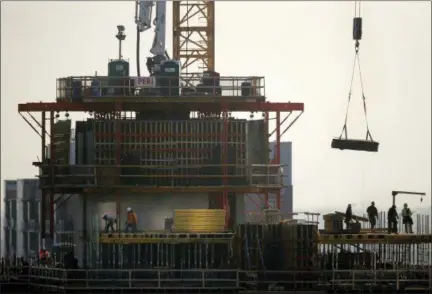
(372, 213)
(110, 220)
(348, 216)
(392, 218)
(131, 222)
(407, 219)
(43, 256)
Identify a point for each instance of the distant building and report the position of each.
(21, 218)
(255, 203)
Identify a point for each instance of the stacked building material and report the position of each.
(199, 220)
(272, 216)
(333, 223)
(300, 246)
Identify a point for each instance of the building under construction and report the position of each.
(169, 147)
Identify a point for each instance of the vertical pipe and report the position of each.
(53, 162)
(277, 155)
(43, 181)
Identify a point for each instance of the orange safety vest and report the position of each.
(131, 218)
(43, 254)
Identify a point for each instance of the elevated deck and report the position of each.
(175, 178)
(227, 280)
(105, 94)
(375, 239)
(164, 238)
(135, 89)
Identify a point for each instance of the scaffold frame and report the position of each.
(226, 105)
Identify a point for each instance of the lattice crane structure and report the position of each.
(194, 36)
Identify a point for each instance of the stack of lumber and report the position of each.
(199, 220)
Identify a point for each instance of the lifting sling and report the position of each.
(343, 143)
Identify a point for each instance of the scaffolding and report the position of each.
(228, 95)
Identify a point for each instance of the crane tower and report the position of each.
(194, 36)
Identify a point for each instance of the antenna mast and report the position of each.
(121, 36)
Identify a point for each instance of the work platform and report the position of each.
(65, 189)
(198, 178)
(227, 280)
(227, 94)
(164, 238)
(103, 88)
(375, 239)
(206, 105)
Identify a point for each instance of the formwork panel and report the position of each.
(151, 210)
(167, 153)
(61, 138)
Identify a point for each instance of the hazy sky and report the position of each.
(304, 50)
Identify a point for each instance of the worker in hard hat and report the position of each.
(348, 216)
(110, 220)
(131, 221)
(43, 256)
(407, 219)
(392, 218)
(372, 213)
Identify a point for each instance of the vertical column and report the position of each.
(277, 155)
(42, 182)
(118, 138)
(53, 161)
(266, 121)
(84, 226)
(224, 143)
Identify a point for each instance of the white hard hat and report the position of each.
(129, 209)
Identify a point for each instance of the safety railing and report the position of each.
(272, 215)
(225, 279)
(92, 88)
(173, 175)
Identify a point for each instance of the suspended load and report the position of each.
(343, 142)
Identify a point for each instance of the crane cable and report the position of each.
(357, 34)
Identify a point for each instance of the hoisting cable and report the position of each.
(357, 35)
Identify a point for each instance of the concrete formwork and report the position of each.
(151, 211)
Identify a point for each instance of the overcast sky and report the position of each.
(304, 50)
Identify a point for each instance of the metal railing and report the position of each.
(97, 87)
(223, 279)
(258, 175)
(308, 218)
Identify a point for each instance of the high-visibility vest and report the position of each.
(131, 218)
(43, 254)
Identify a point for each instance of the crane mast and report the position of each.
(194, 37)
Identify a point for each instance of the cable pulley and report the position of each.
(343, 143)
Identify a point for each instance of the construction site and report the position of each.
(169, 148)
